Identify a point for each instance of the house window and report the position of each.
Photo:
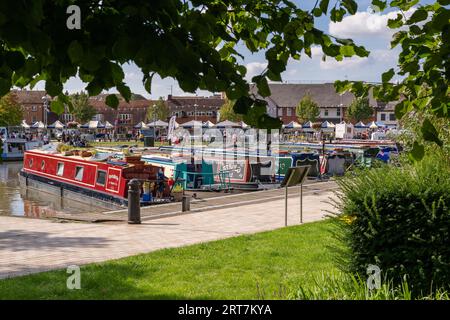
(383, 116)
(392, 117)
(101, 177)
(79, 173)
(67, 117)
(60, 169)
(33, 108)
(289, 112)
(338, 112)
(325, 113)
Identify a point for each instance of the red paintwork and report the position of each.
(45, 165)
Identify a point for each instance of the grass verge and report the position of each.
(266, 265)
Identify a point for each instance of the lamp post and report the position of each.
(154, 121)
(45, 111)
(195, 111)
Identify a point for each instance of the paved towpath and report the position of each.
(31, 245)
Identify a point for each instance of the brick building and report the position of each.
(33, 102)
(187, 108)
(125, 117)
(284, 99)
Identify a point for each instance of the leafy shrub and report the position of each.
(398, 218)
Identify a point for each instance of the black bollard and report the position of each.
(186, 203)
(134, 199)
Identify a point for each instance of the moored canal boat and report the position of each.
(84, 177)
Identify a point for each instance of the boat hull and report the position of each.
(72, 192)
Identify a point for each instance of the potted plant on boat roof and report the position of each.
(131, 158)
(177, 192)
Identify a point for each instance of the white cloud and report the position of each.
(254, 68)
(331, 63)
(365, 24)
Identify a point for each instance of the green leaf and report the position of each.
(347, 51)
(263, 86)
(75, 51)
(417, 16)
(395, 23)
(387, 76)
(53, 88)
(379, 4)
(242, 105)
(402, 108)
(112, 101)
(418, 151)
(444, 2)
(324, 5)
(57, 106)
(14, 59)
(124, 91)
(430, 133)
(350, 5)
(5, 86)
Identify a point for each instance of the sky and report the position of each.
(367, 27)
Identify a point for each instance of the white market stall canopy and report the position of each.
(158, 124)
(93, 125)
(141, 125)
(308, 127)
(38, 125)
(24, 124)
(208, 124)
(57, 125)
(292, 125)
(108, 125)
(228, 124)
(191, 124)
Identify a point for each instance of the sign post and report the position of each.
(294, 176)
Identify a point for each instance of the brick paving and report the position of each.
(31, 245)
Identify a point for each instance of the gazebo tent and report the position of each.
(307, 127)
(93, 125)
(25, 125)
(57, 125)
(108, 125)
(191, 124)
(208, 124)
(372, 125)
(158, 124)
(327, 126)
(38, 125)
(141, 125)
(227, 124)
(292, 125)
(360, 127)
(244, 125)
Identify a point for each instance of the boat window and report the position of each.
(101, 177)
(79, 173)
(30, 163)
(60, 170)
(42, 165)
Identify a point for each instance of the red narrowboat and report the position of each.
(83, 178)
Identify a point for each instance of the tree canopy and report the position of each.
(423, 70)
(82, 110)
(307, 109)
(227, 112)
(159, 111)
(199, 43)
(11, 113)
(359, 110)
(195, 42)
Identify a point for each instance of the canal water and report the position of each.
(17, 201)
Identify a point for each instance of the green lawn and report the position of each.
(260, 266)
